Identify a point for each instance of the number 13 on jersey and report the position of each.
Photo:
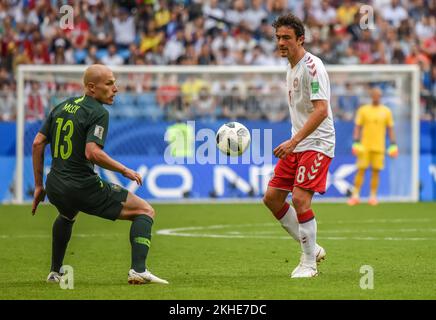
(66, 130)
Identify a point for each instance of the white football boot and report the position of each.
(320, 256)
(145, 277)
(54, 277)
(305, 271)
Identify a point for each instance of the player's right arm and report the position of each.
(95, 154)
(357, 134)
(38, 148)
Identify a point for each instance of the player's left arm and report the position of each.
(38, 148)
(393, 148)
(392, 138)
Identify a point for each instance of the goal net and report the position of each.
(164, 118)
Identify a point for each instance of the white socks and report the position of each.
(308, 230)
(302, 228)
(290, 223)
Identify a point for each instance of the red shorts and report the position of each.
(307, 170)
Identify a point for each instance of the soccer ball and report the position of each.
(233, 138)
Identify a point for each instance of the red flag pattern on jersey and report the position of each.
(311, 65)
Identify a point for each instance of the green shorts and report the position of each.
(99, 198)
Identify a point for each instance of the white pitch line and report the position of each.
(272, 232)
(181, 232)
(187, 232)
(43, 236)
(376, 221)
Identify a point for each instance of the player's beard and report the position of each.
(284, 52)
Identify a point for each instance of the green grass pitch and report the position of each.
(227, 251)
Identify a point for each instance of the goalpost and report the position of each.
(141, 114)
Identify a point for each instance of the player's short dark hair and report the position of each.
(290, 21)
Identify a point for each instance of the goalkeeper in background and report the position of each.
(369, 144)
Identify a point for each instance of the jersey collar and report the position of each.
(90, 100)
(299, 62)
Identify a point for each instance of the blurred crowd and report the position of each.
(210, 32)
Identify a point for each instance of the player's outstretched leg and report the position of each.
(141, 214)
(61, 233)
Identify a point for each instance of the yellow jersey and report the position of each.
(374, 120)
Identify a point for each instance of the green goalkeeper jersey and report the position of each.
(69, 126)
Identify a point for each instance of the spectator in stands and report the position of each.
(124, 28)
(233, 105)
(225, 57)
(265, 36)
(213, 14)
(205, 105)
(273, 105)
(156, 56)
(206, 57)
(49, 25)
(243, 40)
(7, 102)
(168, 94)
(175, 47)
(348, 102)
(349, 57)
(328, 53)
(79, 35)
(151, 38)
(325, 14)
(275, 9)
(397, 54)
(112, 58)
(91, 58)
(61, 48)
(162, 15)
(35, 106)
(223, 39)
(101, 33)
(426, 27)
(254, 15)
(235, 14)
(429, 47)
(394, 13)
(190, 89)
(346, 12)
(130, 56)
(417, 10)
(416, 56)
(257, 57)
(26, 18)
(252, 103)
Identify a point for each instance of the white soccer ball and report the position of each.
(233, 138)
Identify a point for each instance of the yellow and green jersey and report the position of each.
(374, 120)
(69, 126)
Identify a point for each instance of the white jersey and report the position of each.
(308, 81)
